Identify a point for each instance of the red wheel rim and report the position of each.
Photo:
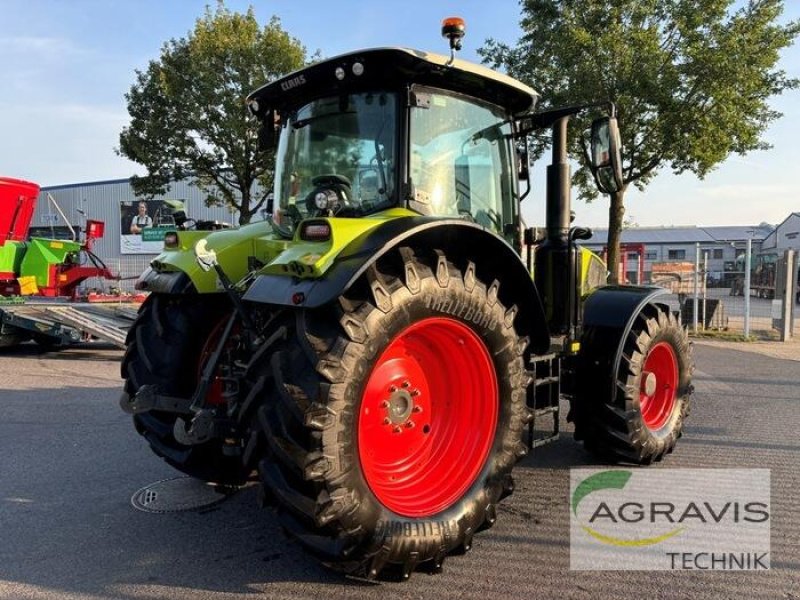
(659, 385)
(216, 389)
(428, 417)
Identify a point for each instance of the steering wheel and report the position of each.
(331, 193)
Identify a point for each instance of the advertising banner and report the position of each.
(143, 224)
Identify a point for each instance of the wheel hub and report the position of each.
(400, 405)
(649, 383)
(658, 388)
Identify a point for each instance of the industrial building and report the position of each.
(785, 236)
(719, 246)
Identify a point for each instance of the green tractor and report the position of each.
(379, 352)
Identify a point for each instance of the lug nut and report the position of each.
(386, 421)
(398, 429)
(392, 389)
(385, 404)
(409, 424)
(417, 409)
(415, 393)
(406, 384)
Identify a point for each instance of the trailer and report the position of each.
(57, 323)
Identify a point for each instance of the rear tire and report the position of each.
(327, 470)
(643, 418)
(164, 348)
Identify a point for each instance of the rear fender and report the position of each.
(460, 240)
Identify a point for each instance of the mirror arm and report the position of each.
(527, 189)
(207, 259)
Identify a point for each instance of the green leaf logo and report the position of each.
(599, 481)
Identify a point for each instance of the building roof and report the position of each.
(774, 233)
(65, 186)
(684, 235)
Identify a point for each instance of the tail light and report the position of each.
(315, 231)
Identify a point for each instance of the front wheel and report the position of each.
(640, 416)
(394, 420)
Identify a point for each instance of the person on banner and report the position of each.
(141, 220)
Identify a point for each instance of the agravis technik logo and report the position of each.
(670, 519)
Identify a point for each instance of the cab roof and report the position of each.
(390, 68)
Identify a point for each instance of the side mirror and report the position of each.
(605, 158)
(522, 161)
(268, 132)
(206, 257)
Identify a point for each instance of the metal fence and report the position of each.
(729, 287)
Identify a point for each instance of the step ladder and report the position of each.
(91, 325)
(543, 396)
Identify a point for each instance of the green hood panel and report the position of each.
(258, 247)
(310, 260)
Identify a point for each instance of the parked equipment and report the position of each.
(40, 266)
(762, 276)
(378, 352)
(37, 274)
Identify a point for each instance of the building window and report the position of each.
(633, 255)
(676, 254)
(651, 255)
(717, 253)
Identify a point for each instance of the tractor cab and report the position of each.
(387, 128)
(391, 127)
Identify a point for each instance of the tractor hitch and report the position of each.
(201, 429)
(148, 398)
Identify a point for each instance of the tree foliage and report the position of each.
(187, 109)
(691, 79)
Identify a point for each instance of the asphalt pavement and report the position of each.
(70, 462)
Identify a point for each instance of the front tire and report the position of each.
(394, 419)
(642, 417)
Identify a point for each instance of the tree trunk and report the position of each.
(616, 213)
(245, 214)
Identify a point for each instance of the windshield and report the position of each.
(460, 161)
(346, 143)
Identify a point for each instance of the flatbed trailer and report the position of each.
(57, 323)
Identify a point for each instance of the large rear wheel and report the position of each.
(393, 420)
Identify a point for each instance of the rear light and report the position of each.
(315, 231)
(171, 239)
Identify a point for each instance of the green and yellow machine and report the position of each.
(40, 266)
(379, 354)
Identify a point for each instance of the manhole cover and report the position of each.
(175, 495)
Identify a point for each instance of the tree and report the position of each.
(691, 80)
(188, 115)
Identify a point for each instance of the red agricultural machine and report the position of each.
(40, 266)
(38, 274)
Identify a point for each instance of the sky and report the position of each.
(66, 65)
